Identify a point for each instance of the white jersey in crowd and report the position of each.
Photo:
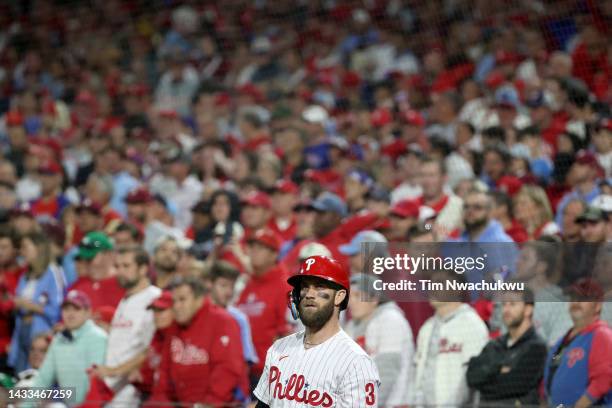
(387, 338)
(131, 331)
(444, 348)
(337, 373)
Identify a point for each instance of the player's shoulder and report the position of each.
(290, 340)
(348, 345)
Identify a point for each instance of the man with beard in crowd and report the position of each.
(320, 365)
(509, 369)
(166, 258)
(132, 327)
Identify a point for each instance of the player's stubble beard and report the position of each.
(315, 320)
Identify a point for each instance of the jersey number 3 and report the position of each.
(370, 396)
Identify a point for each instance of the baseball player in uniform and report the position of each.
(321, 365)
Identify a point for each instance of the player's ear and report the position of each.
(340, 296)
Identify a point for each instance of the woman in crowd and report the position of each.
(532, 209)
(38, 297)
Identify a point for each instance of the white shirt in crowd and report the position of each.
(387, 338)
(131, 331)
(444, 348)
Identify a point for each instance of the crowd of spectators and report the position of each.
(166, 164)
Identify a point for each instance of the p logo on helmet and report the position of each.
(309, 262)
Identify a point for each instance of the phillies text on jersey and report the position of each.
(336, 373)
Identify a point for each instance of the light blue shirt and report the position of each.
(248, 348)
(123, 183)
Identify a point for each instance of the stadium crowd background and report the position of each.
(224, 137)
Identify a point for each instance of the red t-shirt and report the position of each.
(105, 292)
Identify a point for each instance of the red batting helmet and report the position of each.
(324, 268)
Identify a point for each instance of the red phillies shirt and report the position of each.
(203, 361)
(105, 292)
(286, 232)
(264, 301)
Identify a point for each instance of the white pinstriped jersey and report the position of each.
(336, 373)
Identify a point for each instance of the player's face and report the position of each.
(316, 302)
(222, 291)
(74, 317)
(186, 304)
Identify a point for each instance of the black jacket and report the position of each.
(509, 375)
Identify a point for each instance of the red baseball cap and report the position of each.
(78, 299)
(257, 199)
(89, 205)
(51, 168)
(14, 118)
(268, 238)
(381, 117)
(405, 209)
(606, 124)
(586, 289)
(163, 302)
(412, 117)
(23, 209)
(587, 158)
(509, 185)
(140, 195)
(286, 186)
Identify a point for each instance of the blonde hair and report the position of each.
(540, 199)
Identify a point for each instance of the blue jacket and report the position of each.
(585, 368)
(49, 292)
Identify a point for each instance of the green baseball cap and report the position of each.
(92, 244)
(592, 214)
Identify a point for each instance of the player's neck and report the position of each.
(314, 337)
